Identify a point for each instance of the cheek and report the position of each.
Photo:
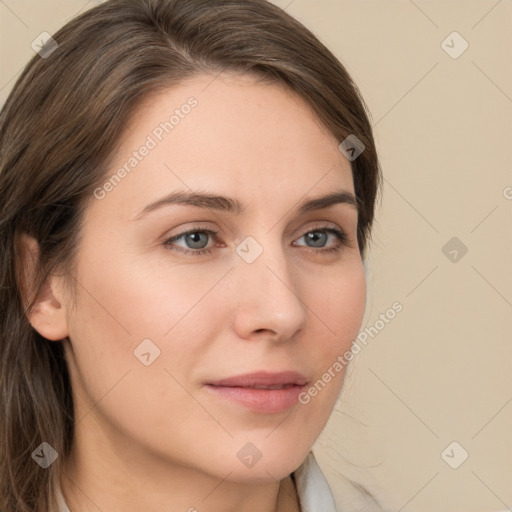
(338, 303)
(122, 303)
(142, 296)
(337, 311)
(119, 306)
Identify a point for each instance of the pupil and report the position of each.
(314, 235)
(197, 236)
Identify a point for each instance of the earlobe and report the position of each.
(47, 315)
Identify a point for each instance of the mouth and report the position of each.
(261, 392)
(277, 386)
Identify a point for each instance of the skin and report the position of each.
(151, 437)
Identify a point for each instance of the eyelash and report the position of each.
(342, 240)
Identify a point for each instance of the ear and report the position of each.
(48, 314)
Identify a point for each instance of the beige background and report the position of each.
(439, 371)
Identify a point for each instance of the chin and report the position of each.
(263, 463)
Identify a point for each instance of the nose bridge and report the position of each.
(269, 297)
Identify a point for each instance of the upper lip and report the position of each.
(262, 378)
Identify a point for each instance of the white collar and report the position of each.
(312, 487)
(61, 503)
(314, 492)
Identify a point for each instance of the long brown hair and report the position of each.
(59, 127)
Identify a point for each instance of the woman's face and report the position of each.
(159, 316)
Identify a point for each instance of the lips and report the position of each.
(261, 392)
(263, 380)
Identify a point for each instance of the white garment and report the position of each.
(314, 492)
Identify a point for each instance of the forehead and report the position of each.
(231, 134)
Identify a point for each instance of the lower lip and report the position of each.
(260, 400)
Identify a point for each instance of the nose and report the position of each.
(268, 302)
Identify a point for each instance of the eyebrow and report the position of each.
(230, 205)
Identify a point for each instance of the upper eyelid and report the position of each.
(198, 227)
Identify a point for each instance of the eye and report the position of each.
(196, 240)
(319, 236)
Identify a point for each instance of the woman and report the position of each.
(188, 192)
